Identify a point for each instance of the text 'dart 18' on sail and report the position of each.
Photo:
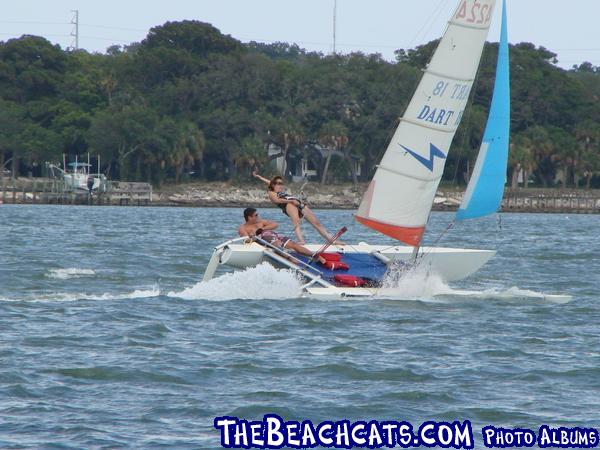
(486, 186)
(399, 199)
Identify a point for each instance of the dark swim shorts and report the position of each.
(271, 237)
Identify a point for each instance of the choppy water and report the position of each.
(108, 340)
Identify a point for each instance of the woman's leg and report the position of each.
(292, 212)
(310, 216)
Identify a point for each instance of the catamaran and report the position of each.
(399, 199)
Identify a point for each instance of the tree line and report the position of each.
(191, 103)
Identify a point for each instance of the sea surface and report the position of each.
(108, 339)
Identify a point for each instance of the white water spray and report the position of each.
(260, 282)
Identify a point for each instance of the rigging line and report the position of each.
(392, 127)
(428, 23)
(441, 7)
(465, 136)
(424, 253)
(469, 107)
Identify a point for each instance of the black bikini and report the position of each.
(283, 206)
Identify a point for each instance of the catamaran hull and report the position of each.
(450, 264)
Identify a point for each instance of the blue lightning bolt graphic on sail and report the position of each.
(433, 152)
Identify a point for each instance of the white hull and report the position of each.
(79, 181)
(450, 264)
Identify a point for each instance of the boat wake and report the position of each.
(422, 285)
(260, 282)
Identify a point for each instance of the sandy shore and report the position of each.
(348, 196)
(345, 196)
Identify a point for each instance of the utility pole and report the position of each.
(334, 24)
(75, 31)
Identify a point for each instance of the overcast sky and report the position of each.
(568, 28)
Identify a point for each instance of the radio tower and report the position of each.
(75, 31)
(334, 24)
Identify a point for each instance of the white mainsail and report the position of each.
(399, 198)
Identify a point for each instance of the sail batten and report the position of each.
(430, 127)
(399, 199)
(444, 75)
(408, 175)
(486, 185)
(464, 25)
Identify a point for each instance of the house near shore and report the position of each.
(310, 161)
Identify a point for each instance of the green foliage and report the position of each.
(189, 101)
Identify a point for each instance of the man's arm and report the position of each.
(268, 225)
(242, 231)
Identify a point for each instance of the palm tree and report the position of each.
(542, 152)
(286, 133)
(250, 155)
(564, 152)
(334, 136)
(587, 135)
(520, 158)
(188, 146)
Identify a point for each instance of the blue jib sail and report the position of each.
(486, 186)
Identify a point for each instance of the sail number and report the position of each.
(441, 116)
(478, 13)
(458, 91)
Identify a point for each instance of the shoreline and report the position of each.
(342, 196)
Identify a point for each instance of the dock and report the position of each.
(539, 200)
(54, 191)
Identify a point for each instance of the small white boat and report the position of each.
(398, 201)
(78, 176)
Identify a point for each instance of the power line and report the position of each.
(28, 34)
(34, 23)
(98, 38)
(113, 28)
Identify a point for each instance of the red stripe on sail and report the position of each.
(408, 235)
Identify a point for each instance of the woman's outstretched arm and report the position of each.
(255, 174)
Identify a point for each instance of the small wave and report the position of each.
(73, 272)
(260, 282)
(511, 294)
(116, 374)
(75, 296)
